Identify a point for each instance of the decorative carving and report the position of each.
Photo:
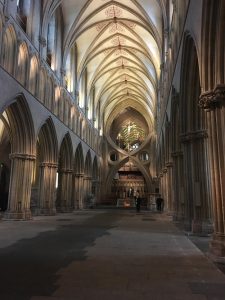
(213, 99)
(101, 25)
(42, 41)
(63, 72)
(164, 170)
(169, 164)
(113, 12)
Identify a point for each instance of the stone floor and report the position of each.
(105, 255)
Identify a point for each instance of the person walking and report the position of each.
(138, 201)
(159, 203)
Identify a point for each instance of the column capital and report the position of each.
(164, 170)
(22, 156)
(213, 99)
(42, 41)
(49, 165)
(65, 171)
(193, 135)
(169, 164)
(177, 153)
(79, 175)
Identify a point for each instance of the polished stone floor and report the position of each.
(105, 255)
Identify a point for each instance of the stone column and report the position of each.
(65, 194)
(197, 210)
(178, 185)
(79, 191)
(20, 186)
(47, 188)
(214, 103)
(169, 183)
(165, 189)
(87, 189)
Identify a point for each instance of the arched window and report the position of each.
(54, 41)
(23, 10)
(51, 40)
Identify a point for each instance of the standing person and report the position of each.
(159, 203)
(138, 201)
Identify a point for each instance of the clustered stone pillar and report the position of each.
(20, 186)
(197, 210)
(87, 188)
(47, 188)
(169, 184)
(65, 195)
(79, 191)
(178, 201)
(214, 103)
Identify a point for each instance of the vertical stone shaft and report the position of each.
(20, 186)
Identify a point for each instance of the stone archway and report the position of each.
(17, 138)
(78, 178)
(5, 163)
(193, 136)
(95, 189)
(87, 178)
(46, 169)
(65, 172)
(140, 180)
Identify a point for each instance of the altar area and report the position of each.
(126, 202)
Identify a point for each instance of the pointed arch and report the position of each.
(88, 165)
(79, 160)
(192, 117)
(42, 84)
(22, 63)
(141, 168)
(9, 48)
(66, 153)
(64, 190)
(95, 169)
(33, 74)
(47, 138)
(21, 127)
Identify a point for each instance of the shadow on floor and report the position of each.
(29, 267)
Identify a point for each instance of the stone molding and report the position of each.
(49, 165)
(213, 99)
(193, 135)
(177, 153)
(79, 175)
(22, 156)
(65, 171)
(169, 164)
(87, 177)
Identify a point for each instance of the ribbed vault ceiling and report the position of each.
(119, 44)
